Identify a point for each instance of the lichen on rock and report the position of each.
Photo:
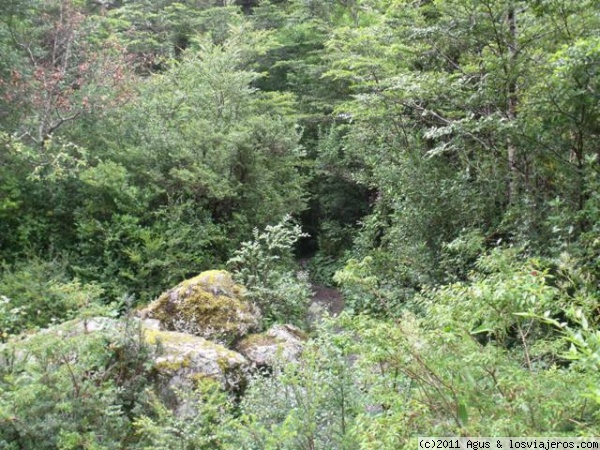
(183, 358)
(280, 344)
(209, 305)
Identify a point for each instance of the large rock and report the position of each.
(183, 359)
(179, 359)
(210, 305)
(281, 343)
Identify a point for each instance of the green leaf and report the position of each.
(463, 415)
(482, 329)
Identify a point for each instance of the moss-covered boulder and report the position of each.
(280, 344)
(178, 359)
(209, 305)
(184, 359)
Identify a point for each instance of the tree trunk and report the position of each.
(513, 163)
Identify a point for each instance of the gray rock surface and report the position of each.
(281, 343)
(184, 358)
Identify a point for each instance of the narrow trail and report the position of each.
(328, 298)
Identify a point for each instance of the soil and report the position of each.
(329, 298)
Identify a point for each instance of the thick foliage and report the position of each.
(37, 294)
(488, 357)
(443, 155)
(201, 424)
(265, 266)
(71, 390)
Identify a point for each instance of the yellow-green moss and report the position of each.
(223, 363)
(200, 378)
(214, 279)
(172, 339)
(210, 305)
(173, 365)
(153, 337)
(256, 340)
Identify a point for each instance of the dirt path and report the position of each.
(328, 298)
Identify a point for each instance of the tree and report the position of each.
(64, 68)
(440, 121)
(217, 140)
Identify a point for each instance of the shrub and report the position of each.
(265, 266)
(311, 404)
(70, 389)
(36, 293)
(201, 424)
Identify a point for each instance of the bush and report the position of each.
(322, 268)
(36, 293)
(201, 424)
(129, 253)
(366, 291)
(266, 267)
(421, 379)
(70, 389)
(312, 404)
(513, 350)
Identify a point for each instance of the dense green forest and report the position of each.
(436, 162)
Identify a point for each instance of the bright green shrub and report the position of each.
(428, 380)
(265, 266)
(66, 389)
(37, 293)
(129, 255)
(489, 356)
(493, 301)
(312, 404)
(201, 423)
(365, 290)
